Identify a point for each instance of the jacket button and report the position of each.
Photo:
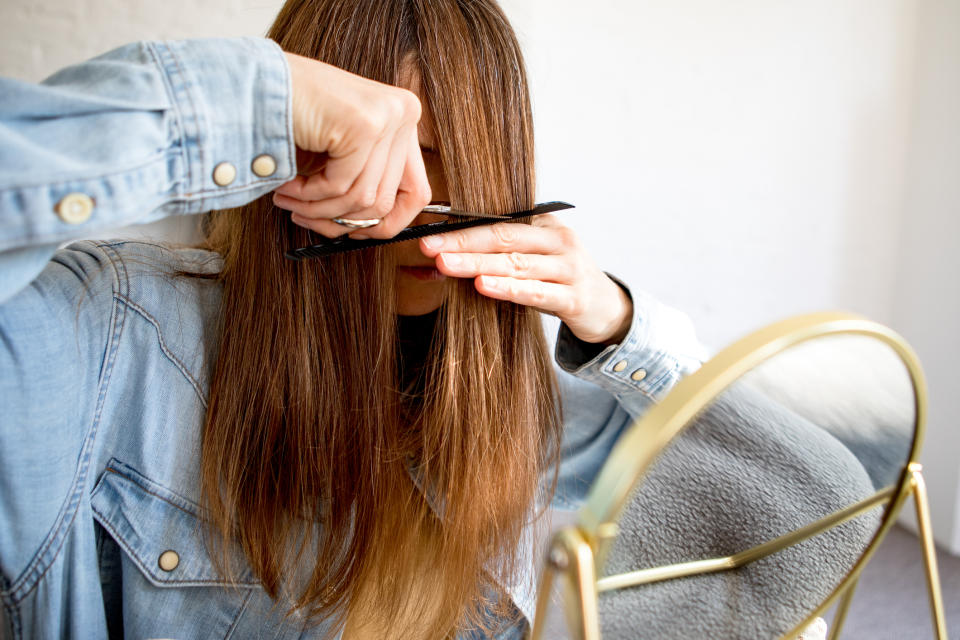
(169, 560)
(638, 375)
(264, 165)
(620, 366)
(224, 173)
(75, 208)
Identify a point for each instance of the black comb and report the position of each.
(330, 246)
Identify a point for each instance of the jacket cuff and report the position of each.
(233, 102)
(660, 347)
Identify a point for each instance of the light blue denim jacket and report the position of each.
(105, 363)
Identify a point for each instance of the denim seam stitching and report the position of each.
(240, 612)
(163, 346)
(32, 576)
(287, 112)
(175, 106)
(146, 490)
(196, 118)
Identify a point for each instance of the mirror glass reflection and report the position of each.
(813, 430)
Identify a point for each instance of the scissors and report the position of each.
(458, 220)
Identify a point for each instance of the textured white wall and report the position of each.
(743, 160)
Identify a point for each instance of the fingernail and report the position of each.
(452, 259)
(359, 236)
(433, 242)
(490, 283)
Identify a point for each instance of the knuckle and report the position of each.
(538, 296)
(384, 205)
(459, 240)
(408, 105)
(519, 263)
(544, 220)
(567, 237)
(506, 234)
(575, 269)
(423, 193)
(339, 187)
(366, 199)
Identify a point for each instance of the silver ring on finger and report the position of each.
(357, 224)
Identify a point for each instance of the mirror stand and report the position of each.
(571, 559)
(917, 488)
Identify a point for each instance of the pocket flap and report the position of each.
(149, 522)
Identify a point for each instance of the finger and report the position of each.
(322, 209)
(322, 226)
(293, 188)
(331, 178)
(546, 220)
(413, 193)
(553, 298)
(342, 172)
(359, 201)
(524, 266)
(392, 173)
(503, 237)
(362, 197)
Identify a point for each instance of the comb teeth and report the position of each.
(330, 246)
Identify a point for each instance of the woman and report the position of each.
(231, 443)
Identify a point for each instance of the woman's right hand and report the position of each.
(367, 133)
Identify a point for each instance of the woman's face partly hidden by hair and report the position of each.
(420, 287)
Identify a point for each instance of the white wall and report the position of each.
(751, 160)
(743, 160)
(927, 292)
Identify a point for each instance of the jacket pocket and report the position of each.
(159, 531)
(167, 583)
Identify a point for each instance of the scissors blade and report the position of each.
(447, 210)
(330, 246)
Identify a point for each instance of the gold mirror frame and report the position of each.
(577, 552)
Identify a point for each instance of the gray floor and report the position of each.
(891, 600)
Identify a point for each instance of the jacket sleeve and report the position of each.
(604, 389)
(135, 135)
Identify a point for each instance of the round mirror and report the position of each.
(749, 498)
(819, 427)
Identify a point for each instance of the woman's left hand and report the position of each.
(541, 265)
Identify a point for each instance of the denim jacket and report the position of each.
(105, 360)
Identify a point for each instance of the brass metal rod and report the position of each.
(543, 602)
(919, 488)
(712, 565)
(667, 572)
(584, 576)
(836, 625)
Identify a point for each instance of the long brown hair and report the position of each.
(349, 502)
